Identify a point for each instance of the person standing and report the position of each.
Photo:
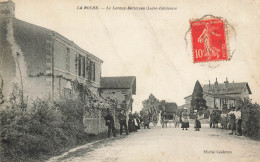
(122, 122)
(110, 124)
(232, 120)
(185, 119)
(146, 120)
(176, 120)
(137, 119)
(131, 123)
(223, 120)
(238, 122)
(198, 116)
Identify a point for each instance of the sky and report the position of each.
(150, 44)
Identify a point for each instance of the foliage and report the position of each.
(250, 119)
(151, 104)
(197, 101)
(45, 127)
(206, 114)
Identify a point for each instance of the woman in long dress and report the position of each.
(185, 120)
(199, 115)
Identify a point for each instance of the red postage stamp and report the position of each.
(209, 40)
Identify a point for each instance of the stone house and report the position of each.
(41, 61)
(187, 104)
(223, 95)
(120, 88)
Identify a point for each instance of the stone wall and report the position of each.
(94, 122)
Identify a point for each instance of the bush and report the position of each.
(45, 127)
(31, 132)
(42, 129)
(250, 119)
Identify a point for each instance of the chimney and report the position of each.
(227, 80)
(216, 85)
(209, 84)
(7, 9)
(226, 83)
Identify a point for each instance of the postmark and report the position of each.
(209, 40)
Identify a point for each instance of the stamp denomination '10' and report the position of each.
(209, 40)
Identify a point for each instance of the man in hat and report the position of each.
(110, 124)
(232, 120)
(122, 122)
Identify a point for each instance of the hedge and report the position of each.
(250, 119)
(42, 129)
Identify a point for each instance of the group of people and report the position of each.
(185, 118)
(132, 126)
(228, 119)
(232, 120)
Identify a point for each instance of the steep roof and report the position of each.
(121, 82)
(27, 32)
(32, 40)
(229, 88)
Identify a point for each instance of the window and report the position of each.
(79, 66)
(86, 67)
(76, 64)
(68, 60)
(83, 66)
(92, 66)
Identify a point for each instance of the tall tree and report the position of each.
(151, 104)
(197, 101)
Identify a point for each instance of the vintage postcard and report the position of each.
(129, 80)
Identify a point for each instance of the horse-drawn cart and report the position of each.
(168, 113)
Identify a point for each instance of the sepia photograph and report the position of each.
(129, 81)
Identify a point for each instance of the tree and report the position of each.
(198, 102)
(151, 104)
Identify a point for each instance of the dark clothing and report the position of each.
(146, 121)
(198, 117)
(122, 118)
(123, 124)
(232, 122)
(109, 120)
(185, 125)
(110, 125)
(197, 124)
(239, 127)
(131, 125)
(233, 125)
(137, 118)
(185, 120)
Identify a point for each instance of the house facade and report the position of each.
(223, 96)
(187, 104)
(120, 88)
(41, 61)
